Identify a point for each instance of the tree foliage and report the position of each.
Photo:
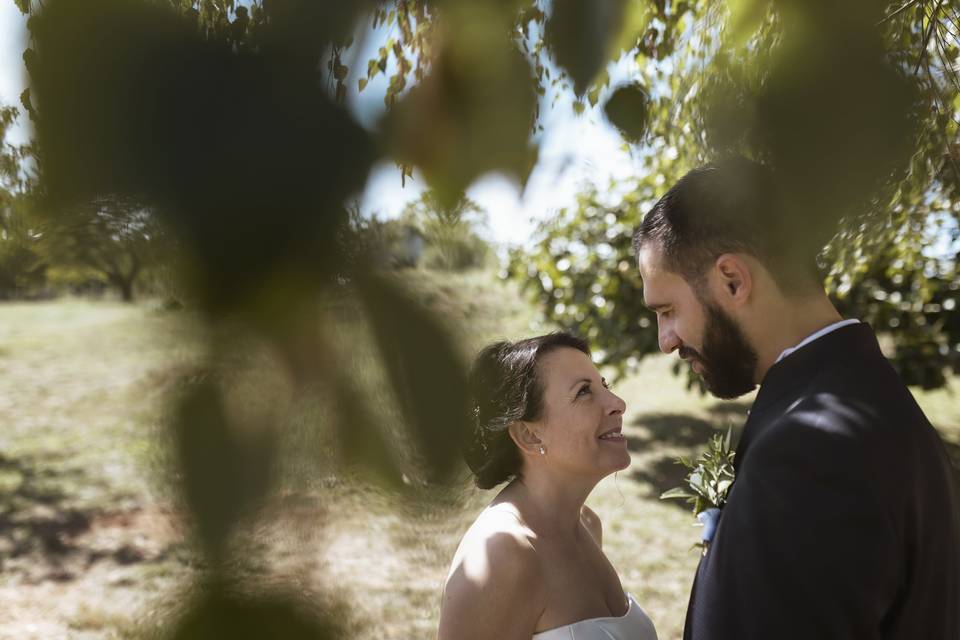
(449, 231)
(426, 233)
(113, 236)
(221, 119)
(228, 120)
(15, 171)
(854, 104)
(22, 268)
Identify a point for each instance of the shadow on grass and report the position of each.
(730, 413)
(683, 434)
(34, 512)
(661, 475)
(42, 529)
(686, 431)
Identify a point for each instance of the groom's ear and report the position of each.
(734, 278)
(525, 438)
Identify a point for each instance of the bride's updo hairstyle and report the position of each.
(506, 386)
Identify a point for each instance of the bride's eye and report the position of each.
(584, 390)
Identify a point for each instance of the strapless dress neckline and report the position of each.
(633, 625)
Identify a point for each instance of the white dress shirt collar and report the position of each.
(814, 336)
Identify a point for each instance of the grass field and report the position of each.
(91, 544)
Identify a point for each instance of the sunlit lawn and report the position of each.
(90, 542)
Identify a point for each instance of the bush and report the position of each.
(22, 269)
(457, 249)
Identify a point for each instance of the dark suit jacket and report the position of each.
(843, 519)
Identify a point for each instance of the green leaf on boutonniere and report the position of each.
(676, 492)
(710, 476)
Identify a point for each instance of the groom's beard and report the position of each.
(728, 360)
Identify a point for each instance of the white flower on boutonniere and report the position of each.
(708, 479)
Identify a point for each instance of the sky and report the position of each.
(13, 40)
(573, 148)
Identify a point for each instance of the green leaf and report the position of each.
(224, 475)
(471, 115)
(635, 21)
(361, 438)
(580, 33)
(696, 480)
(746, 16)
(219, 612)
(425, 371)
(593, 96)
(676, 493)
(627, 110)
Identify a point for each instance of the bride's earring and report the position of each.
(543, 450)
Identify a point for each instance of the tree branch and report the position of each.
(952, 19)
(944, 60)
(894, 14)
(936, 98)
(926, 38)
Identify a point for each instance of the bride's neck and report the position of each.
(549, 506)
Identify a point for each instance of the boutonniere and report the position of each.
(709, 478)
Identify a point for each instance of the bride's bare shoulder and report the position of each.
(501, 518)
(499, 539)
(495, 564)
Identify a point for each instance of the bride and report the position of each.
(531, 567)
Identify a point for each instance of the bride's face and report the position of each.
(582, 418)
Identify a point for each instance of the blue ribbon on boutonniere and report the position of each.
(710, 519)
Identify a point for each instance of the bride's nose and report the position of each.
(616, 405)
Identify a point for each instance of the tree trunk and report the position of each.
(126, 289)
(124, 281)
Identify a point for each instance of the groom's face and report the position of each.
(729, 362)
(697, 328)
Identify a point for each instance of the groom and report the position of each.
(843, 521)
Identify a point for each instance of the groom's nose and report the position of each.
(667, 338)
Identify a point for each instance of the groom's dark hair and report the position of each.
(731, 207)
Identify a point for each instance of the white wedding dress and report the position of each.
(633, 625)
